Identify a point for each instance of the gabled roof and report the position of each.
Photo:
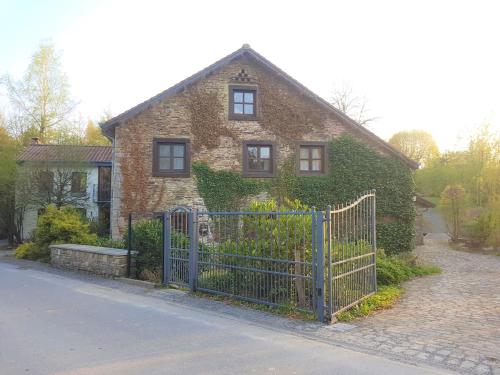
(424, 203)
(108, 126)
(66, 153)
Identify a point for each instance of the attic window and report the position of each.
(242, 102)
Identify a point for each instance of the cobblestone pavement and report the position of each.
(451, 320)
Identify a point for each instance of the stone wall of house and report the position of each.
(90, 259)
(134, 187)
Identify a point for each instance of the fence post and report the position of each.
(374, 242)
(166, 247)
(320, 271)
(329, 259)
(129, 244)
(193, 249)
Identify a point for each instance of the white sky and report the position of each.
(432, 65)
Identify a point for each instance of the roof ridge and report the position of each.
(48, 144)
(246, 49)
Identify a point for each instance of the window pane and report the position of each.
(252, 164)
(265, 152)
(164, 150)
(238, 97)
(266, 165)
(178, 163)
(249, 97)
(316, 165)
(248, 109)
(304, 165)
(179, 150)
(316, 153)
(238, 108)
(252, 152)
(164, 163)
(304, 153)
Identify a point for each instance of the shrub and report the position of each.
(383, 299)
(109, 242)
(393, 270)
(31, 251)
(147, 240)
(64, 225)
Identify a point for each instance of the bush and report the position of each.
(64, 225)
(383, 299)
(109, 242)
(393, 270)
(31, 251)
(147, 240)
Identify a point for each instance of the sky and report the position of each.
(431, 65)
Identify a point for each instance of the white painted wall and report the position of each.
(31, 215)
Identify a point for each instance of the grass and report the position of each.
(283, 310)
(385, 298)
(391, 272)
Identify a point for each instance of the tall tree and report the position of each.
(94, 136)
(355, 107)
(8, 151)
(418, 145)
(41, 99)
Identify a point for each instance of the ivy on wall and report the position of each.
(354, 168)
(207, 126)
(224, 190)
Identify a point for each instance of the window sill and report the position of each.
(235, 117)
(258, 174)
(172, 174)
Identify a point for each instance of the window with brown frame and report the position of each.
(259, 159)
(311, 158)
(242, 102)
(171, 157)
(46, 182)
(78, 183)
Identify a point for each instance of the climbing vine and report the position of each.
(207, 126)
(285, 114)
(224, 190)
(354, 168)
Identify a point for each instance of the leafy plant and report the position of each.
(64, 225)
(383, 299)
(31, 251)
(223, 190)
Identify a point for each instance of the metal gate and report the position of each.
(276, 258)
(351, 253)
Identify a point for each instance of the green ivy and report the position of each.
(353, 168)
(223, 190)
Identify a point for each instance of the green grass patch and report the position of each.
(283, 310)
(383, 299)
(391, 272)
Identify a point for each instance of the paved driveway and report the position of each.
(452, 319)
(88, 325)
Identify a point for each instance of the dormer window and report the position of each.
(242, 102)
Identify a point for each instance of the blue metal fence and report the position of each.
(314, 261)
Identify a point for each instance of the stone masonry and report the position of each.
(133, 140)
(101, 261)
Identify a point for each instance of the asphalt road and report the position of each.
(53, 324)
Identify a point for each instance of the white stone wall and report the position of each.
(31, 215)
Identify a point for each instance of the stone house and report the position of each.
(241, 114)
(82, 174)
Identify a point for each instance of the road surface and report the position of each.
(54, 323)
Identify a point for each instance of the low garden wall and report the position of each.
(103, 261)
